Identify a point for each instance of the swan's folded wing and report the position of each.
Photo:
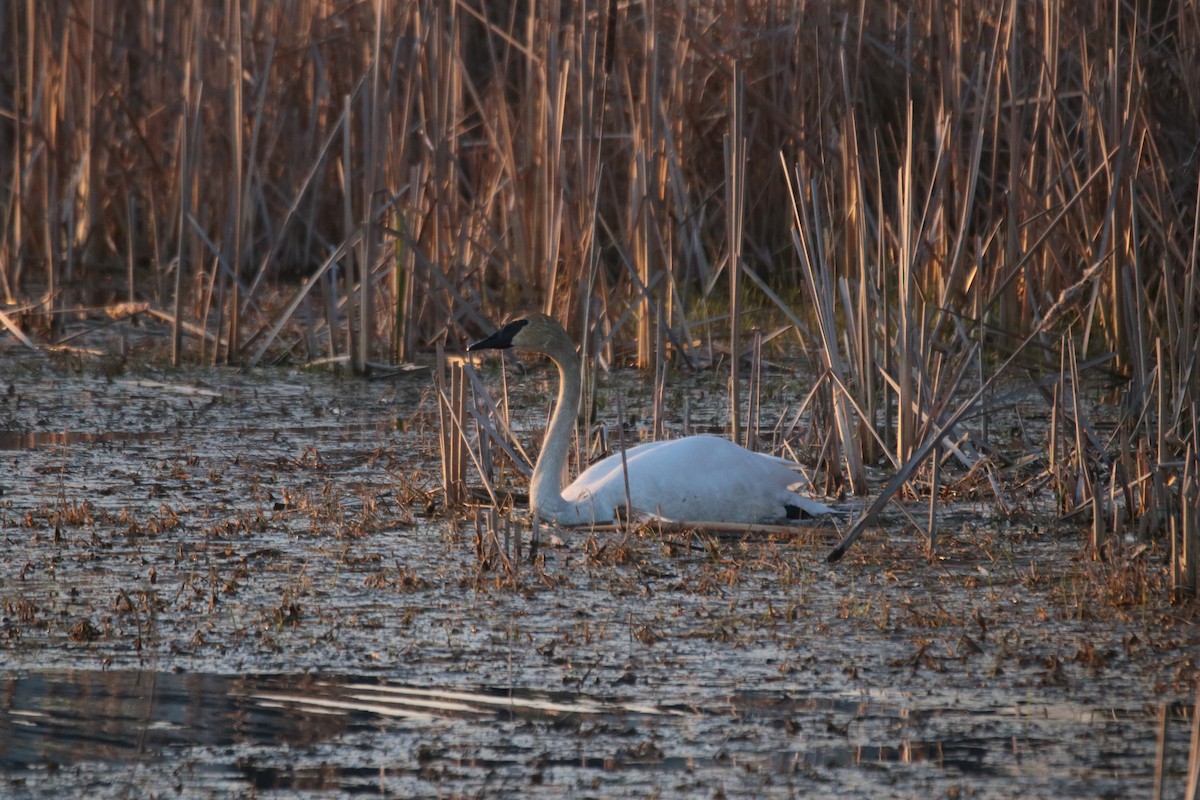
(697, 478)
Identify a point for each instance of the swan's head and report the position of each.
(536, 332)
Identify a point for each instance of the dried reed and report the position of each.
(1192, 790)
(452, 441)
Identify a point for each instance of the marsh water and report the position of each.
(224, 584)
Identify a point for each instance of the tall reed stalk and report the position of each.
(735, 198)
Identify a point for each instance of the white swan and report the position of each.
(693, 479)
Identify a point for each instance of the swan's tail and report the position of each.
(802, 507)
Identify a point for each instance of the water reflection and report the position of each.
(75, 716)
(33, 440)
(70, 717)
(299, 732)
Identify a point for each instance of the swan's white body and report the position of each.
(693, 479)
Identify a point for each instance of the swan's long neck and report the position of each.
(545, 489)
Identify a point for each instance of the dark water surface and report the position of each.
(217, 584)
(218, 733)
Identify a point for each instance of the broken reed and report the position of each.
(1185, 531)
(452, 440)
(1192, 790)
(498, 541)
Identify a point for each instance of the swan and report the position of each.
(693, 479)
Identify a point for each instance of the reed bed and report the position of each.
(938, 199)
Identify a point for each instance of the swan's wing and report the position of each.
(700, 478)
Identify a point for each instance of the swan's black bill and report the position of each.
(501, 339)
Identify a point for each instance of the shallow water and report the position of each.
(210, 732)
(235, 584)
